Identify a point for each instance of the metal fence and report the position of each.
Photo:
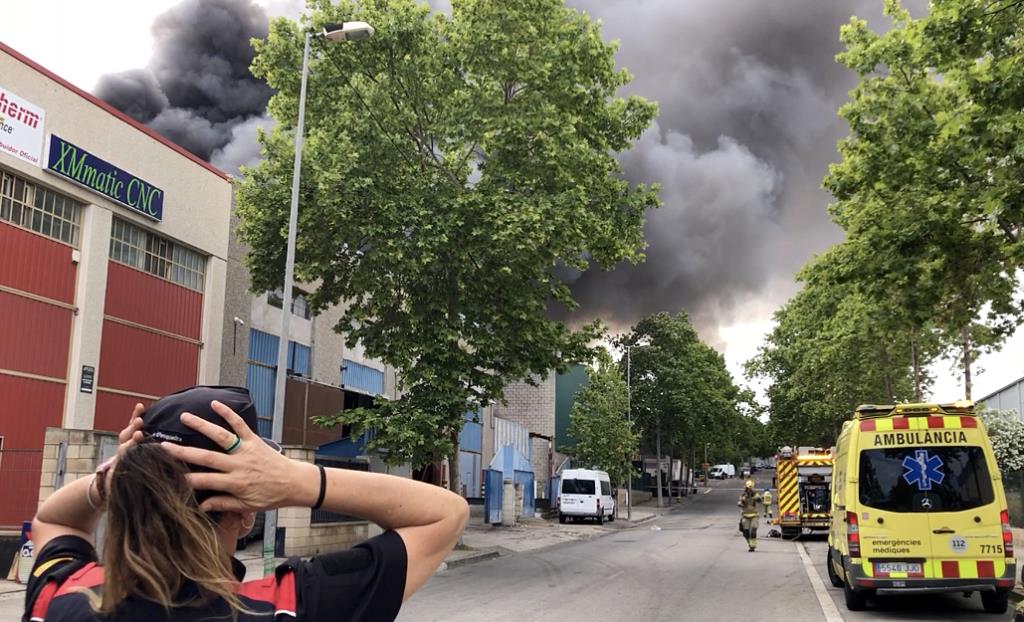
(1013, 484)
(20, 470)
(323, 516)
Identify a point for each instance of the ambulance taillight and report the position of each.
(1004, 518)
(853, 534)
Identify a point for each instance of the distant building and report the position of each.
(1010, 397)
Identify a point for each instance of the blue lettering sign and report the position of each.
(102, 177)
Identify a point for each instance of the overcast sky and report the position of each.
(747, 89)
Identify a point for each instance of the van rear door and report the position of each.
(965, 521)
(579, 496)
(895, 534)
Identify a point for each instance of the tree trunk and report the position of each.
(454, 476)
(890, 391)
(917, 369)
(965, 337)
(657, 469)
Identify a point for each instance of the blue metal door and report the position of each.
(493, 493)
(525, 481)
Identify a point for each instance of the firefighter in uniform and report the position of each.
(748, 514)
(766, 499)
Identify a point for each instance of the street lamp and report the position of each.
(629, 416)
(347, 31)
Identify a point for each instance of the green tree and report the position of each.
(905, 190)
(1006, 431)
(833, 348)
(682, 393)
(451, 163)
(598, 423)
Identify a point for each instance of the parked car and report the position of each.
(585, 493)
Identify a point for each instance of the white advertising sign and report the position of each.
(21, 127)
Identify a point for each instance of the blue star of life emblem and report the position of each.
(923, 469)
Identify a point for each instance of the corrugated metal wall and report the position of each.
(1008, 398)
(145, 299)
(29, 406)
(260, 376)
(362, 377)
(509, 433)
(33, 263)
(470, 474)
(34, 339)
(145, 363)
(472, 436)
(34, 336)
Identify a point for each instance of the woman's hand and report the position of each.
(130, 435)
(254, 477)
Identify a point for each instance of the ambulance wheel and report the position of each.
(600, 518)
(561, 518)
(856, 600)
(833, 576)
(995, 602)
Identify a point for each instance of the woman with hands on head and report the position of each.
(189, 475)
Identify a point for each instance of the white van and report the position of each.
(584, 493)
(722, 471)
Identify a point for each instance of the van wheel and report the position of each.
(833, 576)
(995, 602)
(856, 600)
(600, 518)
(561, 518)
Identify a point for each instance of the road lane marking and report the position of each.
(828, 607)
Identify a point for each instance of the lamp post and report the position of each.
(629, 417)
(347, 31)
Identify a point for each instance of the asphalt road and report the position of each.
(695, 568)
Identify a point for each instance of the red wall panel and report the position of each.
(34, 336)
(113, 410)
(145, 299)
(132, 359)
(27, 407)
(35, 264)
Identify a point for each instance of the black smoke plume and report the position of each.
(197, 89)
(748, 93)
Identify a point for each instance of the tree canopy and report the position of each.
(929, 193)
(451, 164)
(602, 434)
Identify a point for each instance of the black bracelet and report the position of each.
(323, 487)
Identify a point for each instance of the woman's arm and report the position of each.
(73, 510)
(428, 518)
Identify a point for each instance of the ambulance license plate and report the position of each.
(894, 567)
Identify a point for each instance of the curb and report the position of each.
(470, 559)
(1017, 594)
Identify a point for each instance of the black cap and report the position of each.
(162, 420)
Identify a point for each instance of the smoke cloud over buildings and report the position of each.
(197, 89)
(748, 92)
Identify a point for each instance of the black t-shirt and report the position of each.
(364, 584)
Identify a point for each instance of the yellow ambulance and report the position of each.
(918, 506)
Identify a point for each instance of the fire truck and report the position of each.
(803, 481)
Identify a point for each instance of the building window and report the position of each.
(149, 252)
(299, 305)
(39, 209)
